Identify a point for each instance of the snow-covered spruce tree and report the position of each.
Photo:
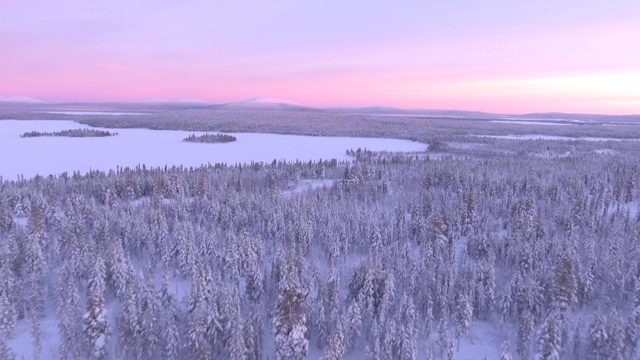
(464, 314)
(577, 339)
(8, 314)
(409, 332)
(197, 339)
(505, 351)
(150, 329)
(6, 220)
(236, 343)
(169, 313)
(615, 339)
(319, 322)
(485, 287)
(290, 321)
(632, 333)
(119, 270)
(550, 338)
(336, 348)
(586, 284)
(8, 310)
(69, 313)
(469, 213)
(203, 316)
(390, 340)
(96, 329)
(253, 336)
(36, 268)
(128, 320)
(525, 330)
(352, 324)
(171, 332)
(598, 337)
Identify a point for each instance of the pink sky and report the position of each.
(490, 55)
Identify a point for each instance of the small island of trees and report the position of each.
(70, 133)
(210, 138)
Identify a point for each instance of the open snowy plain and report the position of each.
(153, 148)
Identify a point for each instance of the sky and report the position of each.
(501, 56)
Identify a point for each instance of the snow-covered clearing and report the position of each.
(605, 151)
(22, 343)
(307, 185)
(54, 155)
(551, 154)
(482, 342)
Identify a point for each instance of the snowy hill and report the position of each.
(264, 103)
(270, 101)
(175, 101)
(19, 99)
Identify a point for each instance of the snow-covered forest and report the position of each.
(390, 257)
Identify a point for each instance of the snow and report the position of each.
(20, 221)
(481, 342)
(605, 151)
(101, 341)
(307, 185)
(465, 146)
(22, 343)
(131, 147)
(551, 154)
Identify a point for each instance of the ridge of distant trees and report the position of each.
(210, 138)
(70, 133)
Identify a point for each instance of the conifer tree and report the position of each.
(505, 351)
(96, 330)
(290, 321)
(598, 337)
(550, 339)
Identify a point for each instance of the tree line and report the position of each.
(210, 138)
(70, 133)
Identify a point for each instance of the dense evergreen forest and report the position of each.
(392, 257)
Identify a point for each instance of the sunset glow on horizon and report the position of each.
(494, 55)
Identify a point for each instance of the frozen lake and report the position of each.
(131, 147)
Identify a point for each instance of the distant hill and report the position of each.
(262, 103)
(20, 100)
(195, 102)
(152, 105)
(578, 117)
(383, 110)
